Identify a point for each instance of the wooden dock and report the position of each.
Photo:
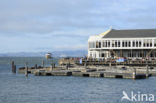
(128, 72)
(103, 74)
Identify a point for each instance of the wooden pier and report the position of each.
(108, 73)
(103, 69)
(91, 74)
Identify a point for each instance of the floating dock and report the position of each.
(90, 72)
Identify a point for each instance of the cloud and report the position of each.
(68, 23)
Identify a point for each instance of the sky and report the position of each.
(58, 25)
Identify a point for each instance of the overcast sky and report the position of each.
(50, 25)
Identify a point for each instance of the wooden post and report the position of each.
(13, 66)
(147, 71)
(14, 69)
(85, 64)
(134, 73)
(53, 65)
(26, 70)
(35, 66)
(110, 64)
(67, 66)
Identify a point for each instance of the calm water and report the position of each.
(16, 88)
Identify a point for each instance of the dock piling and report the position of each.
(134, 73)
(53, 65)
(35, 66)
(13, 67)
(147, 71)
(67, 66)
(26, 69)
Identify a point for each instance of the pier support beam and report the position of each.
(35, 66)
(134, 73)
(67, 66)
(147, 71)
(13, 67)
(26, 69)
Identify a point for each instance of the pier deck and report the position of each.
(91, 72)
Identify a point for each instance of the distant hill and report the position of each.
(72, 53)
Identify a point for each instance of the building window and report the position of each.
(122, 43)
(108, 43)
(144, 43)
(133, 43)
(90, 54)
(125, 43)
(97, 44)
(113, 43)
(129, 43)
(137, 43)
(150, 42)
(103, 55)
(155, 43)
(105, 43)
(118, 43)
(147, 42)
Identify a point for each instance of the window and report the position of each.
(129, 43)
(147, 43)
(133, 43)
(90, 54)
(105, 43)
(144, 43)
(108, 43)
(150, 42)
(137, 43)
(125, 43)
(113, 43)
(103, 55)
(122, 43)
(118, 43)
(97, 44)
(155, 42)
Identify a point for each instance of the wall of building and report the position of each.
(124, 43)
(134, 47)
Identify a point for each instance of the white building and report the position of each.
(139, 43)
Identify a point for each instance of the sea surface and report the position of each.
(16, 88)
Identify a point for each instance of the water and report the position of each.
(16, 88)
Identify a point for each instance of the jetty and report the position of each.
(71, 68)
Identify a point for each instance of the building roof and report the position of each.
(138, 33)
